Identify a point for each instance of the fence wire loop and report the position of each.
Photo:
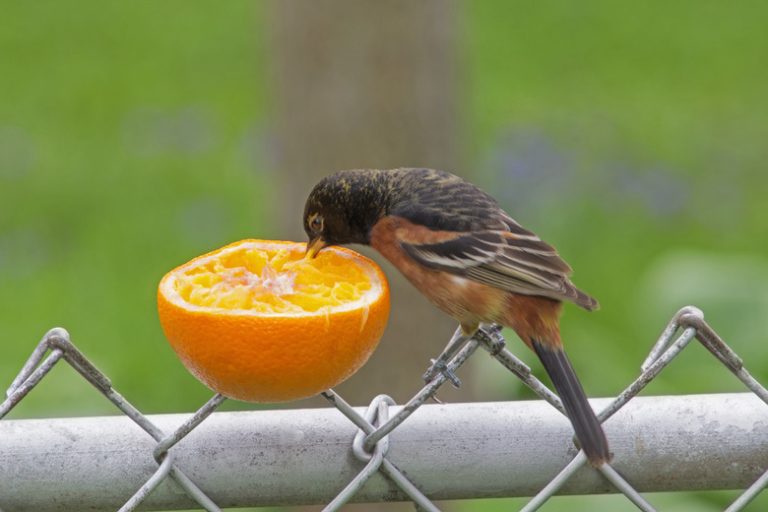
(377, 413)
(371, 443)
(667, 335)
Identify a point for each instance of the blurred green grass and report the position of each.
(133, 136)
(129, 142)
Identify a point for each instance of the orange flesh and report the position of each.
(273, 281)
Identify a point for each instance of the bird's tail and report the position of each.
(588, 430)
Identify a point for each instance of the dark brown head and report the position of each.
(343, 208)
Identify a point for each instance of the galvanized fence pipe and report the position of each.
(451, 451)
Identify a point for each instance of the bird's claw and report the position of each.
(492, 338)
(438, 366)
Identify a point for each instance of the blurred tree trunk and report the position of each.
(368, 84)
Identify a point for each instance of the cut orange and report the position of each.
(258, 322)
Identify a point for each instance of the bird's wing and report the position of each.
(471, 236)
(508, 257)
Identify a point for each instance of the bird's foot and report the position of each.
(491, 337)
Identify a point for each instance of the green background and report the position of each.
(134, 136)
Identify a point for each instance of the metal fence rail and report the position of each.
(290, 457)
(385, 452)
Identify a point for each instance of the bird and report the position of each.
(468, 256)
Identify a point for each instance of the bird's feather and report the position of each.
(481, 241)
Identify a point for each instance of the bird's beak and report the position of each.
(314, 246)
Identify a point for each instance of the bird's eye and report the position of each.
(316, 223)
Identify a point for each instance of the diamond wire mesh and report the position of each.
(371, 443)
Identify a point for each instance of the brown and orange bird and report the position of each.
(468, 256)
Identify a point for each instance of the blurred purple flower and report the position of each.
(660, 192)
(529, 169)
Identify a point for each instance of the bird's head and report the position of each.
(343, 207)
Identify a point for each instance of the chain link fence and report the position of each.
(372, 443)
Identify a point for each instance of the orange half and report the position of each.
(256, 321)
